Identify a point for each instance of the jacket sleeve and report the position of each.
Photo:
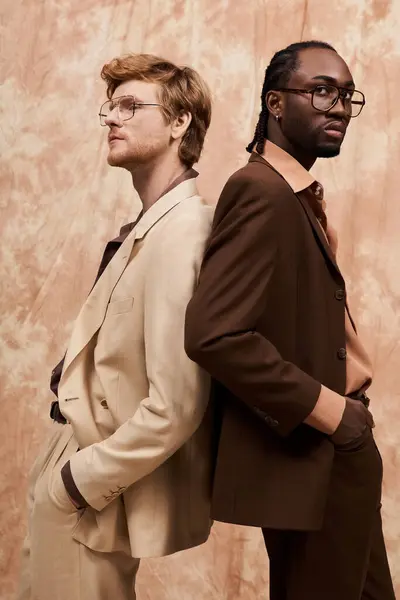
(178, 388)
(221, 320)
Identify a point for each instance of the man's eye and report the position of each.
(322, 91)
(129, 105)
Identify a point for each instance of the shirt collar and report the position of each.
(188, 174)
(288, 167)
(126, 229)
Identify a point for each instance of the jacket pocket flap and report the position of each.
(120, 306)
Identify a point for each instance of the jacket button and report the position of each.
(341, 353)
(340, 294)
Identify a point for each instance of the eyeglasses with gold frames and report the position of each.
(125, 105)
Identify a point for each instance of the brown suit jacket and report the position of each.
(267, 321)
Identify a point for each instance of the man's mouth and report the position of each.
(335, 129)
(112, 138)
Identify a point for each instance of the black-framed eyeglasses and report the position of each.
(125, 105)
(325, 97)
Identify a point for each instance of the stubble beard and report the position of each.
(122, 158)
(132, 158)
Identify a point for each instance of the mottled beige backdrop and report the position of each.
(60, 203)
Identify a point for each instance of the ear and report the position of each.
(274, 103)
(180, 125)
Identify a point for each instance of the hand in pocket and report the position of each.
(58, 493)
(355, 426)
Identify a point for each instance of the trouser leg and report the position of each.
(55, 565)
(333, 563)
(378, 582)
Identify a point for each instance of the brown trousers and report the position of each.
(346, 559)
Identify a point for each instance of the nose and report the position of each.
(113, 118)
(339, 110)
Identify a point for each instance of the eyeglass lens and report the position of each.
(325, 96)
(125, 106)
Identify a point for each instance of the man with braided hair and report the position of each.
(270, 322)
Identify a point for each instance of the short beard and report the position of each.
(137, 155)
(328, 151)
(128, 160)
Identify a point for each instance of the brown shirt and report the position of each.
(358, 364)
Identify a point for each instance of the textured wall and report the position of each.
(60, 203)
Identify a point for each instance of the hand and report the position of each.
(355, 420)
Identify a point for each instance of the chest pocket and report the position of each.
(116, 307)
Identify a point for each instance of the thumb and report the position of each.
(370, 420)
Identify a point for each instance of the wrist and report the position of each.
(328, 411)
(73, 501)
(73, 492)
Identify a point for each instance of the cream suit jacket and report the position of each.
(137, 404)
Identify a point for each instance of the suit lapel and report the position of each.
(94, 310)
(184, 190)
(319, 233)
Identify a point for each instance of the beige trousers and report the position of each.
(54, 565)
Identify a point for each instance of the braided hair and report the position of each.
(277, 74)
